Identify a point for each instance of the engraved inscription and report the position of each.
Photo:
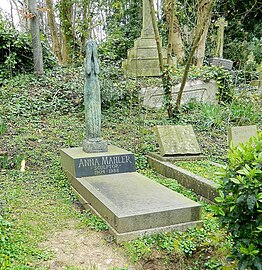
(104, 165)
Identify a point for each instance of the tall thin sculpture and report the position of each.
(92, 143)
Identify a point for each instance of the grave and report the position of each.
(241, 134)
(218, 60)
(177, 142)
(142, 59)
(180, 143)
(195, 90)
(105, 179)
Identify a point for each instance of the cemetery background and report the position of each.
(42, 115)
(39, 201)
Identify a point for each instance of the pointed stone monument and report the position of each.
(105, 179)
(142, 59)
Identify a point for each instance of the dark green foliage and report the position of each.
(243, 34)
(223, 78)
(16, 54)
(57, 95)
(122, 16)
(240, 202)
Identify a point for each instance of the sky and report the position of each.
(5, 6)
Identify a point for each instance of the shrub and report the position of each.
(16, 55)
(240, 202)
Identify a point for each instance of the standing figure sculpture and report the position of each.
(92, 101)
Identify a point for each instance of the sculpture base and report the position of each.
(90, 146)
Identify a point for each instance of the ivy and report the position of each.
(223, 78)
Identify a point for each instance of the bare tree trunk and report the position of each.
(56, 47)
(35, 33)
(170, 10)
(170, 34)
(11, 12)
(198, 34)
(165, 73)
(65, 13)
(86, 23)
(203, 14)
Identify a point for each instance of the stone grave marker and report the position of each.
(105, 179)
(142, 59)
(218, 60)
(177, 140)
(195, 90)
(241, 134)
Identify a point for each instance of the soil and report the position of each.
(83, 248)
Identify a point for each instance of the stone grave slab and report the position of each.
(80, 164)
(195, 90)
(177, 140)
(220, 62)
(241, 134)
(134, 205)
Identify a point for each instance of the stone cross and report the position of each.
(92, 143)
(221, 23)
(147, 28)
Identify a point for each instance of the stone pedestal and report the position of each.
(142, 60)
(95, 146)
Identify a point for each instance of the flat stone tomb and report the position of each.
(177, 140)
(130, 203)
(241, 134)
(133, 205)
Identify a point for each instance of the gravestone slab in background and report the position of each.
(220, 62)
(195, 90)
(177, 140)
(241, 134)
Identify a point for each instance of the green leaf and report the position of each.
(235, 180)
(251, 202)
(232, 208)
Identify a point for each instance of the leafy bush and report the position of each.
(16, 55)
(240, 202)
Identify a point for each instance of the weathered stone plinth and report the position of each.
(95, 146)
(142, 59)
(78, 163)
(131, 204)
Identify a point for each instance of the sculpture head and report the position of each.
(91, 60)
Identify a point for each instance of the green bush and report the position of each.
(240, 202)
(16, 55)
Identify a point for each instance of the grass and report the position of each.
(202, 168)
(39, 201)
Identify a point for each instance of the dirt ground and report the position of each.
(84, 248)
